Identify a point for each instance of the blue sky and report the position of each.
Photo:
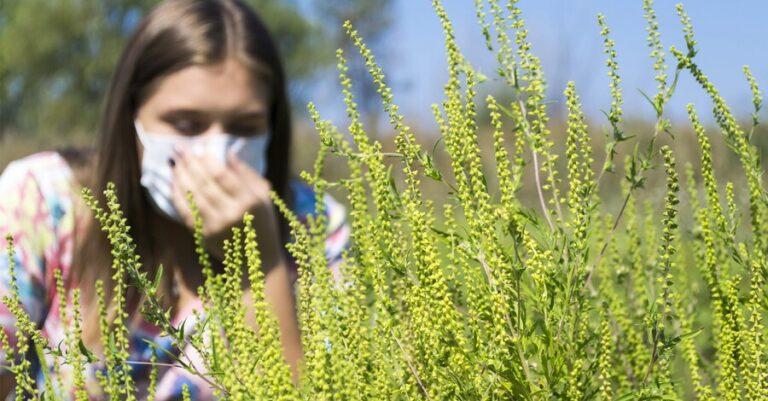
(565, 36)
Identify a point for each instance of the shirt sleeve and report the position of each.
(25, 216)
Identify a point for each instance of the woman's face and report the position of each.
(207, 99)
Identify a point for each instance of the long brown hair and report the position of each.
(174, 35)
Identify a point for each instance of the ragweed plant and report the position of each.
(482, 297)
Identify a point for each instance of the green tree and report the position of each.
(57, 56)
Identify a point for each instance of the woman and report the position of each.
(197, 103)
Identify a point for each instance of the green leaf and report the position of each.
(158, 276)
(89, 356)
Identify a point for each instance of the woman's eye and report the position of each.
(188, 126)
(247, 130)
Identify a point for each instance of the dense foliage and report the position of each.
(499, 300)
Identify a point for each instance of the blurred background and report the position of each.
(57, 56)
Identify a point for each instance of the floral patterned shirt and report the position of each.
(36, 208)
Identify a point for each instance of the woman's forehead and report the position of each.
(225, 87)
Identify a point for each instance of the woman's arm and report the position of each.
(278, 292)
(6, 384)
(25, 215)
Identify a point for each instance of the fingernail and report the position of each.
(171, 162)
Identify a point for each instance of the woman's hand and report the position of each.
(223, 194)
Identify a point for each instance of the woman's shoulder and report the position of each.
(44, 166)
(37, 162)
(37, 181)
(47, 169)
